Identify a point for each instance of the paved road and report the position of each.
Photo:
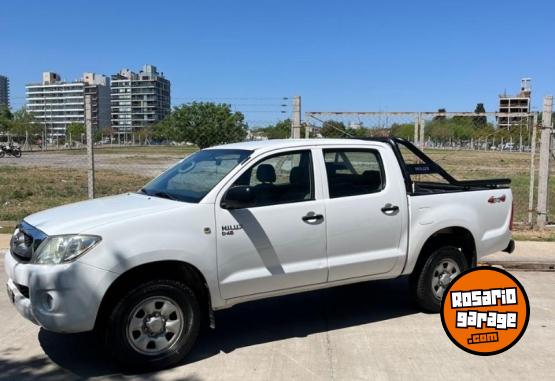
(359, 332)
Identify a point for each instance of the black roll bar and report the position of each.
(428, 166)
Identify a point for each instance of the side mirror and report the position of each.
(237, 197)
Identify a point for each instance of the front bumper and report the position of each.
(22, 304)
(62, 298)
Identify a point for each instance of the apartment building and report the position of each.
(138, 100)
(517, 105)
(4, 91)
(55, 103)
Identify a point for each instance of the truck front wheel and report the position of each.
(439, 269)
(153, 326)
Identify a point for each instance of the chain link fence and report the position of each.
(42, 179)
(467, 145)
(551, 186)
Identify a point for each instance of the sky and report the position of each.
(337, 55)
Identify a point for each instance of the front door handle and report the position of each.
(390, 209)
(311, 217)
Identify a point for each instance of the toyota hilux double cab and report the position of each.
(246, 221)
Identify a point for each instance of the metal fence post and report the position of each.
(543, 175)
(90, 151)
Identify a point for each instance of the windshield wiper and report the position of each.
(163, 194)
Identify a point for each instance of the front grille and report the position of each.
(25, 241)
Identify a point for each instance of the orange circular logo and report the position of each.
(485, 311)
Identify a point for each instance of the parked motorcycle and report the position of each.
(10, 149)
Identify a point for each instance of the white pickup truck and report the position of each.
(247, 221)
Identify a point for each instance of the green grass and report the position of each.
(28, 190)
(469, 165)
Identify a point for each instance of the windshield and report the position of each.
(191, 179)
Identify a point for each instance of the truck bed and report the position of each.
(426, 188)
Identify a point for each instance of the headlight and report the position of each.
(63, 248)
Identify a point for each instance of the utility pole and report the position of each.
(90, 150)
(545, 151)
(296, 118)
(532, 169)
(44, 133)
(422, 124)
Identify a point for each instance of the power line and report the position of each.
(231, 98)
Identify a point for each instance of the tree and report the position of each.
(97, 135)
(23, 123)
(333, 129)
(165, 130)
(480, 121)
(440, 130)
(204, 124)
(364, 132)
(74, 131)
(143, 135)
(280, 130)
(405, 131)
(5, 118)
(5, 113)
(103, 133)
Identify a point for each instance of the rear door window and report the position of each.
(353, 172)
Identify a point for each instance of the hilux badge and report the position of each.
(229, 229)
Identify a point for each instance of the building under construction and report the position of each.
(516, 105)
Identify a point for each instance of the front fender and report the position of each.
(170, 236)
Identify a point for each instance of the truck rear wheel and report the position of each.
(153, 326)
(440, 268)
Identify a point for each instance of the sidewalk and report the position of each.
(528, 255)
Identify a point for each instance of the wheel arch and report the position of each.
(167, 269)
(456, 236)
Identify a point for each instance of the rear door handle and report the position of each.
(311, 217)
(390, 209)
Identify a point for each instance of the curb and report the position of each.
(523, 266)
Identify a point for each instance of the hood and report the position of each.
(83, 216)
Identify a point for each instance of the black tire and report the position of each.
(120, 343)
(17, 153)
(2, 153)
(425, 292)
